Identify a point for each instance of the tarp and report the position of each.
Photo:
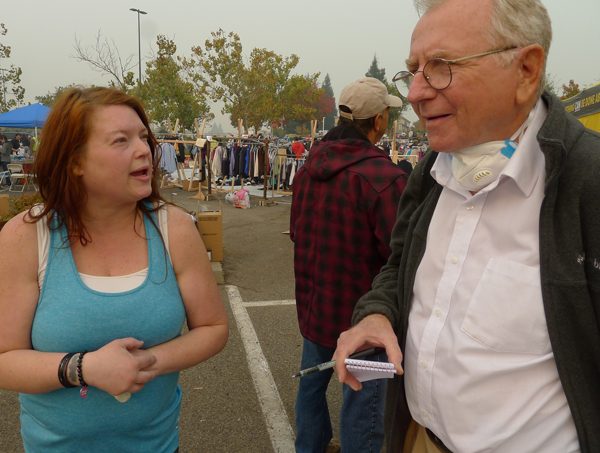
(586, 107)
(29, 116)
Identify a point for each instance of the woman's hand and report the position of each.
(120, 366)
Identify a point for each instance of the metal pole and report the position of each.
(139, 54)
(138, 11)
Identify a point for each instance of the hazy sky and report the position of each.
(338, 37)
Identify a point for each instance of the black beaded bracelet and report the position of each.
(62, 371)
(84, 386)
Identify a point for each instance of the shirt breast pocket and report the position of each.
(506, 313)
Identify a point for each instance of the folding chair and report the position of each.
(4, 180)
(16, 175)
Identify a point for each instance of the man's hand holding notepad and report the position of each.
(367, 370)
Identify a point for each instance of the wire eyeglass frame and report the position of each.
(404, 79)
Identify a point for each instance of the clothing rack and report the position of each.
(197, 163)
(201, 144)
(264, 143)
(283, 157)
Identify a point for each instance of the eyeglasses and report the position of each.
(436, 72)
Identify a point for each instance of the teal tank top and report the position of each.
(71, 317)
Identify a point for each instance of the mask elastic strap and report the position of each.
(518, 135)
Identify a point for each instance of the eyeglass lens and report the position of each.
(436, 72)
(403, 80)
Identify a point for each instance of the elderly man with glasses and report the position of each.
(491, 297)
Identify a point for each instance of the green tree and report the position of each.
(418, 128)
(329, 119)
(50, 98)
(395, 113)
(276, 94)
(570, 90)
(321, 106)
(165, 92)
(375, 72)
(259, 91)
(9, 78)
(379, 74)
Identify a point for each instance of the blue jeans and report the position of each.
(361, 420)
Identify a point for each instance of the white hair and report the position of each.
(514, 23)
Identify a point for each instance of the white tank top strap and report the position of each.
(103, 284)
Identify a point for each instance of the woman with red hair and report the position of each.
(91, 312)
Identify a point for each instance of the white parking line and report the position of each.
(278, 425)
(270, 303)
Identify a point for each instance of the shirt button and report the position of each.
(425, 414)
(438, 313)
(470, 208)
(424, 365)
(454, 260)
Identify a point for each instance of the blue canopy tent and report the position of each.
(29, 116)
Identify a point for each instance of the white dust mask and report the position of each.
(476, 167)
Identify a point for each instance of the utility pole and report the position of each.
(138, 11)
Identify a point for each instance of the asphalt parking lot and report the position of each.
(241, 400)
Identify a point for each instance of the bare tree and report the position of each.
(10, 77)
(104, 57)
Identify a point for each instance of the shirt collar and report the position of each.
(524, 167)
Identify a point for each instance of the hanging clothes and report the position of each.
(181, 152)
(168, 157)
(217, 161)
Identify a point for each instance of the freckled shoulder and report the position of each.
(19, 238)
(181, 224)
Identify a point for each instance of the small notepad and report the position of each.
(367, 370)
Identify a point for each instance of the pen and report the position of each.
(331, 364)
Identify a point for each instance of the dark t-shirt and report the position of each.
(15, 143)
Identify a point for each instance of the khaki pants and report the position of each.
(417, 440)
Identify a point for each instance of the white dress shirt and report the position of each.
(480, 372)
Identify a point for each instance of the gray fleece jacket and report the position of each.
(569, 268)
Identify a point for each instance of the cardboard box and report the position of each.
(4, 204)
(210, 226)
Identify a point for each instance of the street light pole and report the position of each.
(138, 11)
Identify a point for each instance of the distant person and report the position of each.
(91, 312)
(16, 144)
(5, 153)
(344, 206)
(25, 142)
(298, 148)
(34, 145)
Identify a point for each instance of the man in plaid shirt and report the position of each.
(343, 211)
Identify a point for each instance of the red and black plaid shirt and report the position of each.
(344, 205)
